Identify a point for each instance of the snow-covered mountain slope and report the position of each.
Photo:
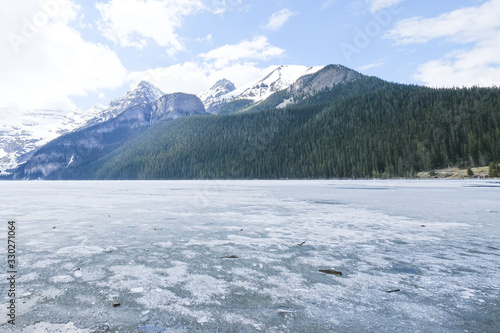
(278, 78)
(22, 132)
(211, 97)
(145, 93)
(82, 147)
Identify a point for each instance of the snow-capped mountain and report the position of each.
(22, 132)
(211, 98)
(278, 78)
(145, 93)
(86, 145)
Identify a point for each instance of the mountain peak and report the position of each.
(144, 93)
(149, 87)
(224, 84)
(327, 77)
(210, 98)
(278, 78)
(146, 85)
(144, 89)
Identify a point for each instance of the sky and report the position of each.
(64, 54)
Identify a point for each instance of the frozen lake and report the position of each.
(159, 248)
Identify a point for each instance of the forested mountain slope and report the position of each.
(362, 128)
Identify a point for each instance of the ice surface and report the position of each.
(161, 249)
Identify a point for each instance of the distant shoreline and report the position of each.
(456, 173)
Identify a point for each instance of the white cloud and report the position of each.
(376, 5)
(231, 5)
(278, 19)
(44, 61)
(378, 63)
(238, 63)
(138, 23)
(461, 26)
(477, 64)
(50, 62)
(327, 4)
(193, 77)
(256, 49)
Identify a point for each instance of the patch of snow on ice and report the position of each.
(53, 328)
(81, 249)
(62, 279)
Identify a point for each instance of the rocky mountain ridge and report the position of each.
(277, 78)
(144, 93)
(94, 140)
(147, 105)
(324, 79)
(299, 81)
